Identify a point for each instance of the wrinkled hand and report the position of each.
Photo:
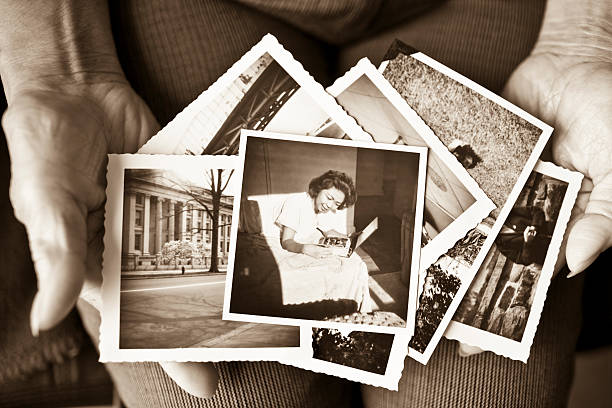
(58, 139)
(316, 251)
(58, 142)
(574, 96)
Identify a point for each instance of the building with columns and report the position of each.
(157, 210)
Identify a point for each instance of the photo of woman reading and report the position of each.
(306, 248)
(300, 217)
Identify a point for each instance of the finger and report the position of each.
(587, 239)
(591, 234)
(465, 350)
(56, 231)
(199, 379)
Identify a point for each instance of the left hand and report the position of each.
(574, 95)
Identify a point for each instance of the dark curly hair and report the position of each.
(338, 179)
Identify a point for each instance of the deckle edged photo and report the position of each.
(267, 89)
(502, 308)
(454, 203)
(167, 241)
(327, 233)
(369, 358)
(495, 141)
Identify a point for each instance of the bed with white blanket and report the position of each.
(269, 280)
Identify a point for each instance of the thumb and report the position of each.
(199, 379)
(56, 230)
(591, 234)
(465, 350)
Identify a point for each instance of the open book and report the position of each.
(344, 246)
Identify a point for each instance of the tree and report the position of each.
(178, 252)
(216, 189)
(210, 199)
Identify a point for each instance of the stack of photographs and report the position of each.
(219, 232)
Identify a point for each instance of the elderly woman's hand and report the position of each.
(567, 82)
(69, 105)
(574, 95)
(58, 139)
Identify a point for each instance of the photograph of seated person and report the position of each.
(296, 195)
(307, 248)
(523, 238)
(299, 218)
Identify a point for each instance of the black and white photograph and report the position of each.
(491, 139)
(267, 89)
(165, 263)
(495, 141)
(369, 358)
(327, 233)
(505, 299)
(454, 202)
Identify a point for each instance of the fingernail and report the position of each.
(581, 267)
(34, 320)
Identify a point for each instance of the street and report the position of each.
(185, 311)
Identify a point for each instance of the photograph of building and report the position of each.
(167, 226)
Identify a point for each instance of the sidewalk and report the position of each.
(167, 273)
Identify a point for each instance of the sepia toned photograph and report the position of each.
(506, 297)
(496, 143)
(267, 89)
(361, 350)
(491, 139)
(454, 203)
(165, 262)
(327, 233)
(369, 358)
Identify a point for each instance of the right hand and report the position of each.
(58, 139)
(317, 251)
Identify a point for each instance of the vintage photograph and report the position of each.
(496, 142)
(506, 297)
(327, 233)
(491, 138)
(454, 203)
(267, 89)
(165, 263)
(369, 358)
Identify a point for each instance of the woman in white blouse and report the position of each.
(301, 216)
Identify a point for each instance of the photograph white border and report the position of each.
(389, 380)
(111, 269)
(167, 140)
(412, 289)
(483, 205)
(505, 210)
(508, 347)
